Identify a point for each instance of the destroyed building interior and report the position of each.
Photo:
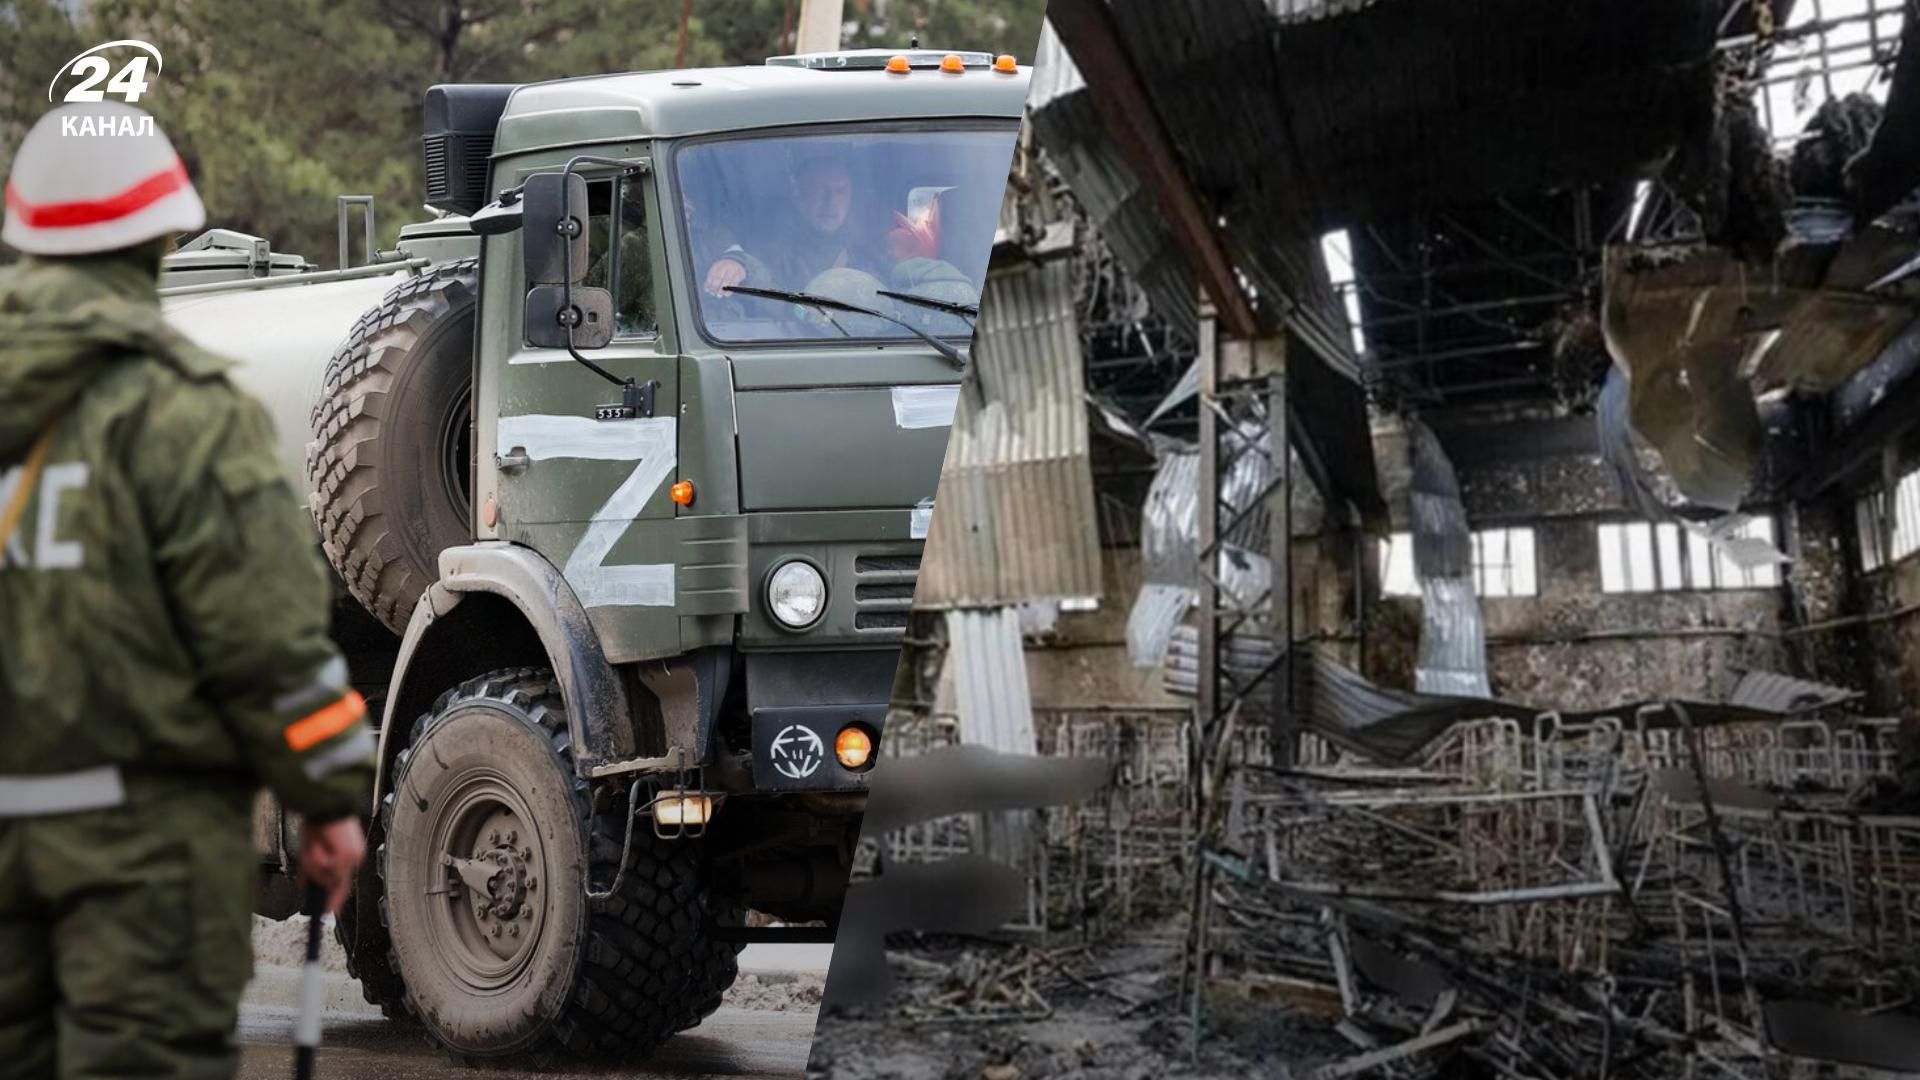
(1461, 478)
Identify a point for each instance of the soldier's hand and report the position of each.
(724, 274)
(329, 854)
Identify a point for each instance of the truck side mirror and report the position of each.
(561, 312)
(554, 237)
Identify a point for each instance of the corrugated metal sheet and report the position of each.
(1054, 73)
(1156, 613)
(1453, 637)
(1014, 518)
(989, 669)
(1170, 542)
(1122, 212)
(1245, 656)
(1770, 691)
(1323, 371)
(1170, 521)
(1306, 10)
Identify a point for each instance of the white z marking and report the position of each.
(653, 443)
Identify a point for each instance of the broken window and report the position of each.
(1639, 557)
(1503, 563)
(1826, 52)
(1889, 528)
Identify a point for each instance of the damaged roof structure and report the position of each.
(1503, 427)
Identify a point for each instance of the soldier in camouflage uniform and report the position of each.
(163, 634)
(633, 306)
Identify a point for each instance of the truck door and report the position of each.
(591, 494)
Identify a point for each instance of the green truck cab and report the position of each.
(635, 454)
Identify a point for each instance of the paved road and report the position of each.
(358, 1042)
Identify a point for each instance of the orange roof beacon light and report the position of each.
(1005, 64)
(682, 492)
(952, 64)
(854, 747)
(898, 65)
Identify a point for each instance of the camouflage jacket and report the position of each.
(162, 606)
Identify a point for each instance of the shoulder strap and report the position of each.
(36, 460)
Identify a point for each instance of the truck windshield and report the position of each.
(851, 215)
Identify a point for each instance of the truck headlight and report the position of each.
(797, 594)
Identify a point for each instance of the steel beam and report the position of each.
(1284, 730)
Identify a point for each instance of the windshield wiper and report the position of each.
(824, 304)
(967, 311)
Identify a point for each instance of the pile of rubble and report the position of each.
(1577, 900)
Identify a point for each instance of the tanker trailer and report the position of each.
(627, 463)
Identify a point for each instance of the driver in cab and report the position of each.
(821, 235)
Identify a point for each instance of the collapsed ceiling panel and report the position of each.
(1699, 331)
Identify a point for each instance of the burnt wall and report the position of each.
(1081, 662)
(1892, 636)
(1828, 641)
(1862, 629)
(1573, 646)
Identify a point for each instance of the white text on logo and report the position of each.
(128, 83)
(106, 125)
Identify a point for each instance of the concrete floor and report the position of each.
(357, 1042)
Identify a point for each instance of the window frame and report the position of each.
(615, 228)
(1393, 542)
(1677, 559)
(1887, 523)
(1510, 565)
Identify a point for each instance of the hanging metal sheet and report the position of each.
(1453, 639)
(1014, 518)
(1054, 73)
(986, 657)
(1306, 10)
(1285, 269)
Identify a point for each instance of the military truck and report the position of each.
(624, 461)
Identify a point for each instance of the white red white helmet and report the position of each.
(97, 177)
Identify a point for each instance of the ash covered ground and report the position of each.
(977, 1010)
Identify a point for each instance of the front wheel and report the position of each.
(490, 836)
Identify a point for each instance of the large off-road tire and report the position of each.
(389, 466)
(544, 972)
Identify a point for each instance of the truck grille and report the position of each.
(883, 591)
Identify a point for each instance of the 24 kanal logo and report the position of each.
(92, 70)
